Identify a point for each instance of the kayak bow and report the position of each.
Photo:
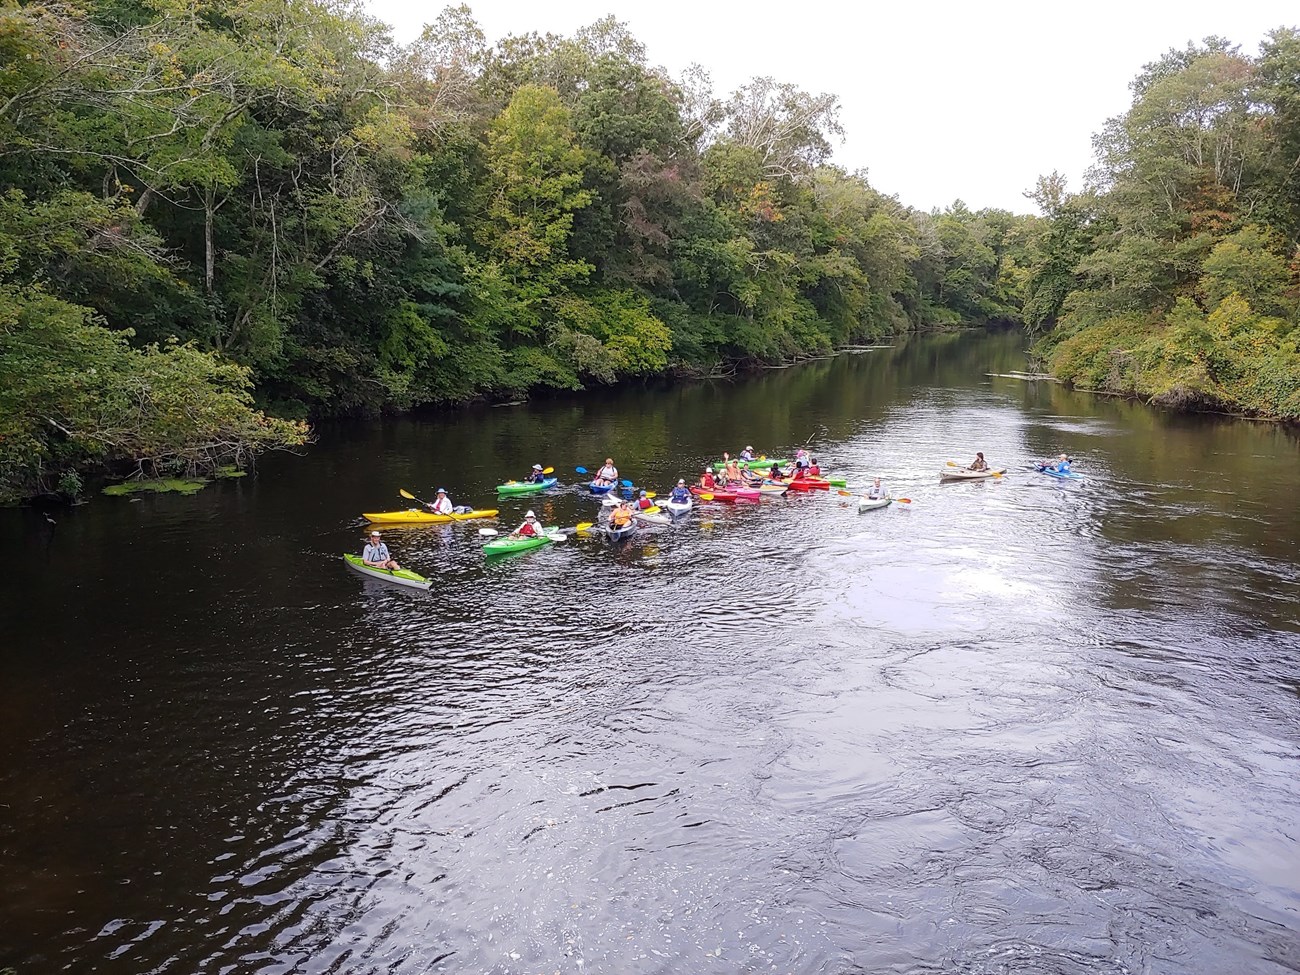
(414, 516)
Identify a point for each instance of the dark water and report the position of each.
(1020, 726)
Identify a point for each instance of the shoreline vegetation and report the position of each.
(221, 220)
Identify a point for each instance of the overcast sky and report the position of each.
(940, 100)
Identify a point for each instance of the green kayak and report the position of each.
(525, 487)
(757, 465)
(403, 577)
(506, 544)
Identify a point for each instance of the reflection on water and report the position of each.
(1018, 725)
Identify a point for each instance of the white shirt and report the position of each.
(608, 473)
(443, 506)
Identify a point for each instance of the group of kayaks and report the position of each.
(662, 512)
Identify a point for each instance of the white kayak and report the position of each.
(961, 474)
(678, 508)
(873, 504)
(653, 518)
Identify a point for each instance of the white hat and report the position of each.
(530, 515)
(374, 534)
(537, 467)
(681, 480)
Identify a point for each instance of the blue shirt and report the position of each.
(375, 553)
(680, 494)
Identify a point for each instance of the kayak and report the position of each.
(755, 464)
(403, 577)
(653, 518)
(620, 534)
(678, 508)
(807, 484)
(873, 504)
(415, 516)
(526, 487)
(955, 474)
(774, 490)
(752, 493)
(600, 488)
(505, 544)
(1061, 475)
(717, 494)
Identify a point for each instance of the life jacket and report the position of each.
(708, 481)
(529, 528)
(620, 517)
(813, 471)
(645, 503)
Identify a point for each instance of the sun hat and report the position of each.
(530, 515)
(537, 467)
(681, 480)
(374, 534)
(442, 490)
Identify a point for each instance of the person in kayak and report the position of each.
(680, 494)
(644, 501)
(747, 454)
(441, 504)
(607, 474)
(731, 473)
(979, 463)
(801, 458)
(707, 480)
(775, 473)
(877, 490)
(813, 470)
(536, 477)
(375, 554)
(531, 527)
(621, 516)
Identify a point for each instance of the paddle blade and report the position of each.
(626, 483)
(651, 494)
(557, 537)
(705, 497)
(487, 532)
(903, 500)
(845, 494)
(407, 494)
(953, 463)
(548, 470)
(582, 526)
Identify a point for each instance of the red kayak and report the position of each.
(718, 494)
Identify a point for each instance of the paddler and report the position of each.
(731, 473)
(644, 501)
(621, 516)
(375, 554)
(607, 474)
(801, 458)
(707, 480)
(531, 528)
(776, 474)
(536, 477)
(877, 490)
(680, 494)
(978, 464)
(441, 504)
(747, 454)
(813, 469)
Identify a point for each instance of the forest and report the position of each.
(220, 221)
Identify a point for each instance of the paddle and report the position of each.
(411, 497)
(581, 470)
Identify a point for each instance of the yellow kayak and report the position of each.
(415, 516)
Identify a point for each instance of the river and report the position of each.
(1015, 726)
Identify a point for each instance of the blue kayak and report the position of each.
(1060, 475)
(600, 488)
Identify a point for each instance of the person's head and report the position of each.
(441, 492)
(537, 467)
(530, 517)
(643, 494)
(877, 482)
(681, 482)
(374, 536)
(749, 446)
(1063, 457)
(979, 454)
(814, 460)
(609, 461)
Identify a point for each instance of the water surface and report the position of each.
(1016, 726)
